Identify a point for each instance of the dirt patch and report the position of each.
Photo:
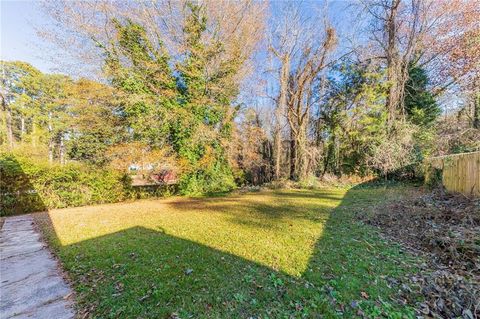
(445, 230)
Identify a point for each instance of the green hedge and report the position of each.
(27, 186)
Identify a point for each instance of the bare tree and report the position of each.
(438, 35)
(283, 42)
(84, 30)
(450, 47)
(397, 29)
(302, 47)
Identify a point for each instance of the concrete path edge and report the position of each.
(31, 284)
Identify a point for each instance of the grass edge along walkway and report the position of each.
(31, 284)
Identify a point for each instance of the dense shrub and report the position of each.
(28, 185)
(433, 175)
(17, 194)
(215, 180)
(148, 191)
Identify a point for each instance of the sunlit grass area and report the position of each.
(271, 254)
(267, 228)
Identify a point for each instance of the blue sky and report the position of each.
(18, 39)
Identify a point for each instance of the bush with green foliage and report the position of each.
(28, 185)
(217, 179)
(170, 103)
(420, 105)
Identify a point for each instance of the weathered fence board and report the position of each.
(460, 172)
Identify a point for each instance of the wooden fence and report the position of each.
(458, 172)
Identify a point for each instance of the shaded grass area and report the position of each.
(272, 254)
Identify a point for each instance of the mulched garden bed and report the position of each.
(444, 229)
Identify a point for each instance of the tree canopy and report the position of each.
(224, 94)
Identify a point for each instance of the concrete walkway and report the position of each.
(30, 283)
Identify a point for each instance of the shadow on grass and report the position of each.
(140, 272)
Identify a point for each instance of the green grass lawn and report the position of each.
(272, 254)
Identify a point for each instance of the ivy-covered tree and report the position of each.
(184, 104)
(208, 87)
(143, 75)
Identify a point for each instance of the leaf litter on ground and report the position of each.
(444, 229)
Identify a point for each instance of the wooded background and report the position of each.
(224, 94)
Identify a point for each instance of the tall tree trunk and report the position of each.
(331, 152)
(298, 155)
(476, 103)
(51, 145)
(293, 156)
(62, 150)
(327, 159)
(301, 154)
(393, 63)
(51, 140)
(476, 110)
(34, 133)
(22, 127)
(278, 150)
(279, 112)
(9, 124)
